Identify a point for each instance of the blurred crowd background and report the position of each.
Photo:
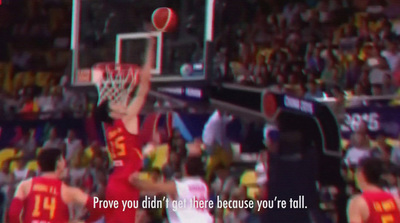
(342, 52)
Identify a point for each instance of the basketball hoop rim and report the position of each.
(115, 81)
(113, 66)
(101, 71)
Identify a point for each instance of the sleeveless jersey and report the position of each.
(124, 149)
(44, 203)
(189, 190)
(382, 207)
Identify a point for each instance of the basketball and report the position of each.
(164, 19)
(186, 70)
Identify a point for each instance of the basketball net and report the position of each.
(115, 82)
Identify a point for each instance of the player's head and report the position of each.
(193, 167)
(102, 112)
(121, 92)
(108, 111)
(51, 160)
(222, 170)
(271, 137)
(370, 172)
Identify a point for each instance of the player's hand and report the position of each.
(134, 179)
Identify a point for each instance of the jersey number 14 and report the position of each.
(47, 204)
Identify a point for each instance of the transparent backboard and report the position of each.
(114, 31)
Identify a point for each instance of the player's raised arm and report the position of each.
(17, 203)
(77, 196)
(139, 99)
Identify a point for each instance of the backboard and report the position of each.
(113, 31)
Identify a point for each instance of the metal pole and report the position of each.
(75, 27)
(209, 38)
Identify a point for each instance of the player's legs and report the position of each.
(121, 190)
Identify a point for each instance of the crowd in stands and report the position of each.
(309, 48)
(34, 55)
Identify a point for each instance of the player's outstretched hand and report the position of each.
(135, 180)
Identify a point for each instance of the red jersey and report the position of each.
(44, 203)
(124, 149)
(382, 207)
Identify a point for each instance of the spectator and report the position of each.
(54, 142)
(316, 62)
(388, 86)
(364, 83)
(382, 149)
(27, 144)
(21, 59)
(72, 101)
(173, 167)
(339, 108)
(58, 103)
(271, 142)
(78, 163)
(359, 147)
(223, 183)
(395, 156)
(353, 74)
(377, 91)
(378, 67)
(6, 179)
(313, 91)
(28, 106)
(216, 141)
(72, 145)
(330, 70)
(20, 172)
(45, 103)
(279, 87)
(359, 96)
(259, 71)
(237, 215)
(392, 55)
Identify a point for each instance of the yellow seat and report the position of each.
(392, 142)
(21, 79)
(89, 152)
(13, 165)
(6, 73)
(253, 192)
(144, 176)
(32, 165)
(43, 78)
(345, 143)
(248, 178)
(161, 156)
(29, 79)
(6, 154)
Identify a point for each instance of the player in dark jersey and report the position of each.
(374, 205)
(45, 199)
(121, 125)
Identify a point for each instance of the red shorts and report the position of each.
(121, 190)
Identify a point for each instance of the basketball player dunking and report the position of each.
(121, 125)
(45, 199)
(374, 205)
(190, 187)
